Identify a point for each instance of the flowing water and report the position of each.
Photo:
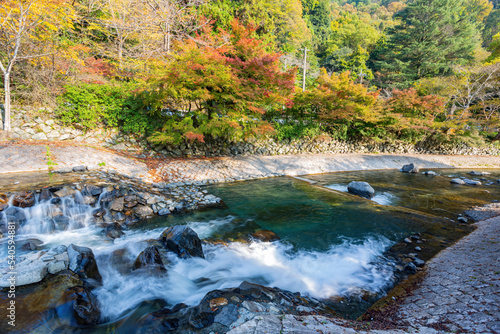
(331, 245)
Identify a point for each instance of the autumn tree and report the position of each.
(25, 24)
(225, 82)
(475, 91)
(174, 19)
(336, 97)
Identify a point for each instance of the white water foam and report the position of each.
(342, 270)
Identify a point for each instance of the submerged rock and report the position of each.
(472, 182)
(82, 262)
(265, 235)
(457, 181)
(410, 168)
(183, 241)
(36, 301)
(113, 230)
(83, 304)
(431, 173)
(362, 189)
(478, 173)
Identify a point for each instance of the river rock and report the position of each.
(362, 189)
(475, 173)
(410, 168)
(117, 204)
(63, 170)
(183, 241)
(164, 212)
(418, 262)
(84, 306)
(30, 244)
(82, 262)
(221, 310)
(457, 181)
(65, 191)
(143, 211)
(472, 182)
(113, 230)
(149, 258)
(33, 267)
(429, 172)
(79, 169)
(45, 195)
(91, 190)
(24, 199)
(265, 235)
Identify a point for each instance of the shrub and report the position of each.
(108, 105)
(297, 130)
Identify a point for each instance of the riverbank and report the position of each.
(30, 157)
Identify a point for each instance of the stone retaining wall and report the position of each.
(316, 146)
(39, 124)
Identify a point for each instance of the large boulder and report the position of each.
(183, 241)
(150, 259)
(82, 262)
(362, 189)
(410, 168)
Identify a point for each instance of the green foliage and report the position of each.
(113, 105)
(50, 161)
(297, 130)
(433, 35)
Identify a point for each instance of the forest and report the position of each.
(189, 70)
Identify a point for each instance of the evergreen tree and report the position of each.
(433, 36)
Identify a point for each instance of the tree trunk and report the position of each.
(6, 120)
